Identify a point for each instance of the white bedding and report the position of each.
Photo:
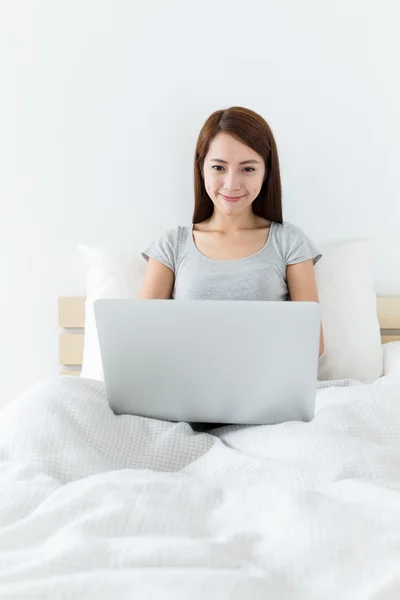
(98, 506)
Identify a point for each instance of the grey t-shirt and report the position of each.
(261, 276)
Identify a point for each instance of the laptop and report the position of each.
(210, 361)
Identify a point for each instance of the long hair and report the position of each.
(251, 129)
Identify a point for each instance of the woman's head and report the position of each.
(236, 156)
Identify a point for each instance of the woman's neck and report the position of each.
(230, 224)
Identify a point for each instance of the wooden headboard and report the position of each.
(71, 320)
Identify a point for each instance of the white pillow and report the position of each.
(391, 358)
(345, 282)
(111, 273)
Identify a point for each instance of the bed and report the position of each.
(95, 505)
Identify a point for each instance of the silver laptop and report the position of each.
(248, 362)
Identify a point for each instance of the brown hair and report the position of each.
(251, 129)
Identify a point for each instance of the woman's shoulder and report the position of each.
(177, 240)
(167, 246)
(288, 229)
(175, 235)
(294, 243)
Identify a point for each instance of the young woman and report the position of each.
(239, 247)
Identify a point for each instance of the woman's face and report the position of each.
(233, 174)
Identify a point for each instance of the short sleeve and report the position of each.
(163, 249)
(298, 247)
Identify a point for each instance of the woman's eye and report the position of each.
(217, 167)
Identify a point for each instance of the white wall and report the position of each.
(100, 108)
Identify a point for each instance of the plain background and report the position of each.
(101, 104)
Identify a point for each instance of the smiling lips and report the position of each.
(232, 199)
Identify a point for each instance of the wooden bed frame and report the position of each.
(71, 320)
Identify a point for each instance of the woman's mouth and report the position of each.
(232, 198)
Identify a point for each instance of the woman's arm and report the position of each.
(158, 281)
(303, 288)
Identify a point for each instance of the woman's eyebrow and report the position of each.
(244, 162)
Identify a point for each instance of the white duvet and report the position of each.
(94, 505)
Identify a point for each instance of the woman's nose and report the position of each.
(232, 181)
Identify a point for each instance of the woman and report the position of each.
(239, 247)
